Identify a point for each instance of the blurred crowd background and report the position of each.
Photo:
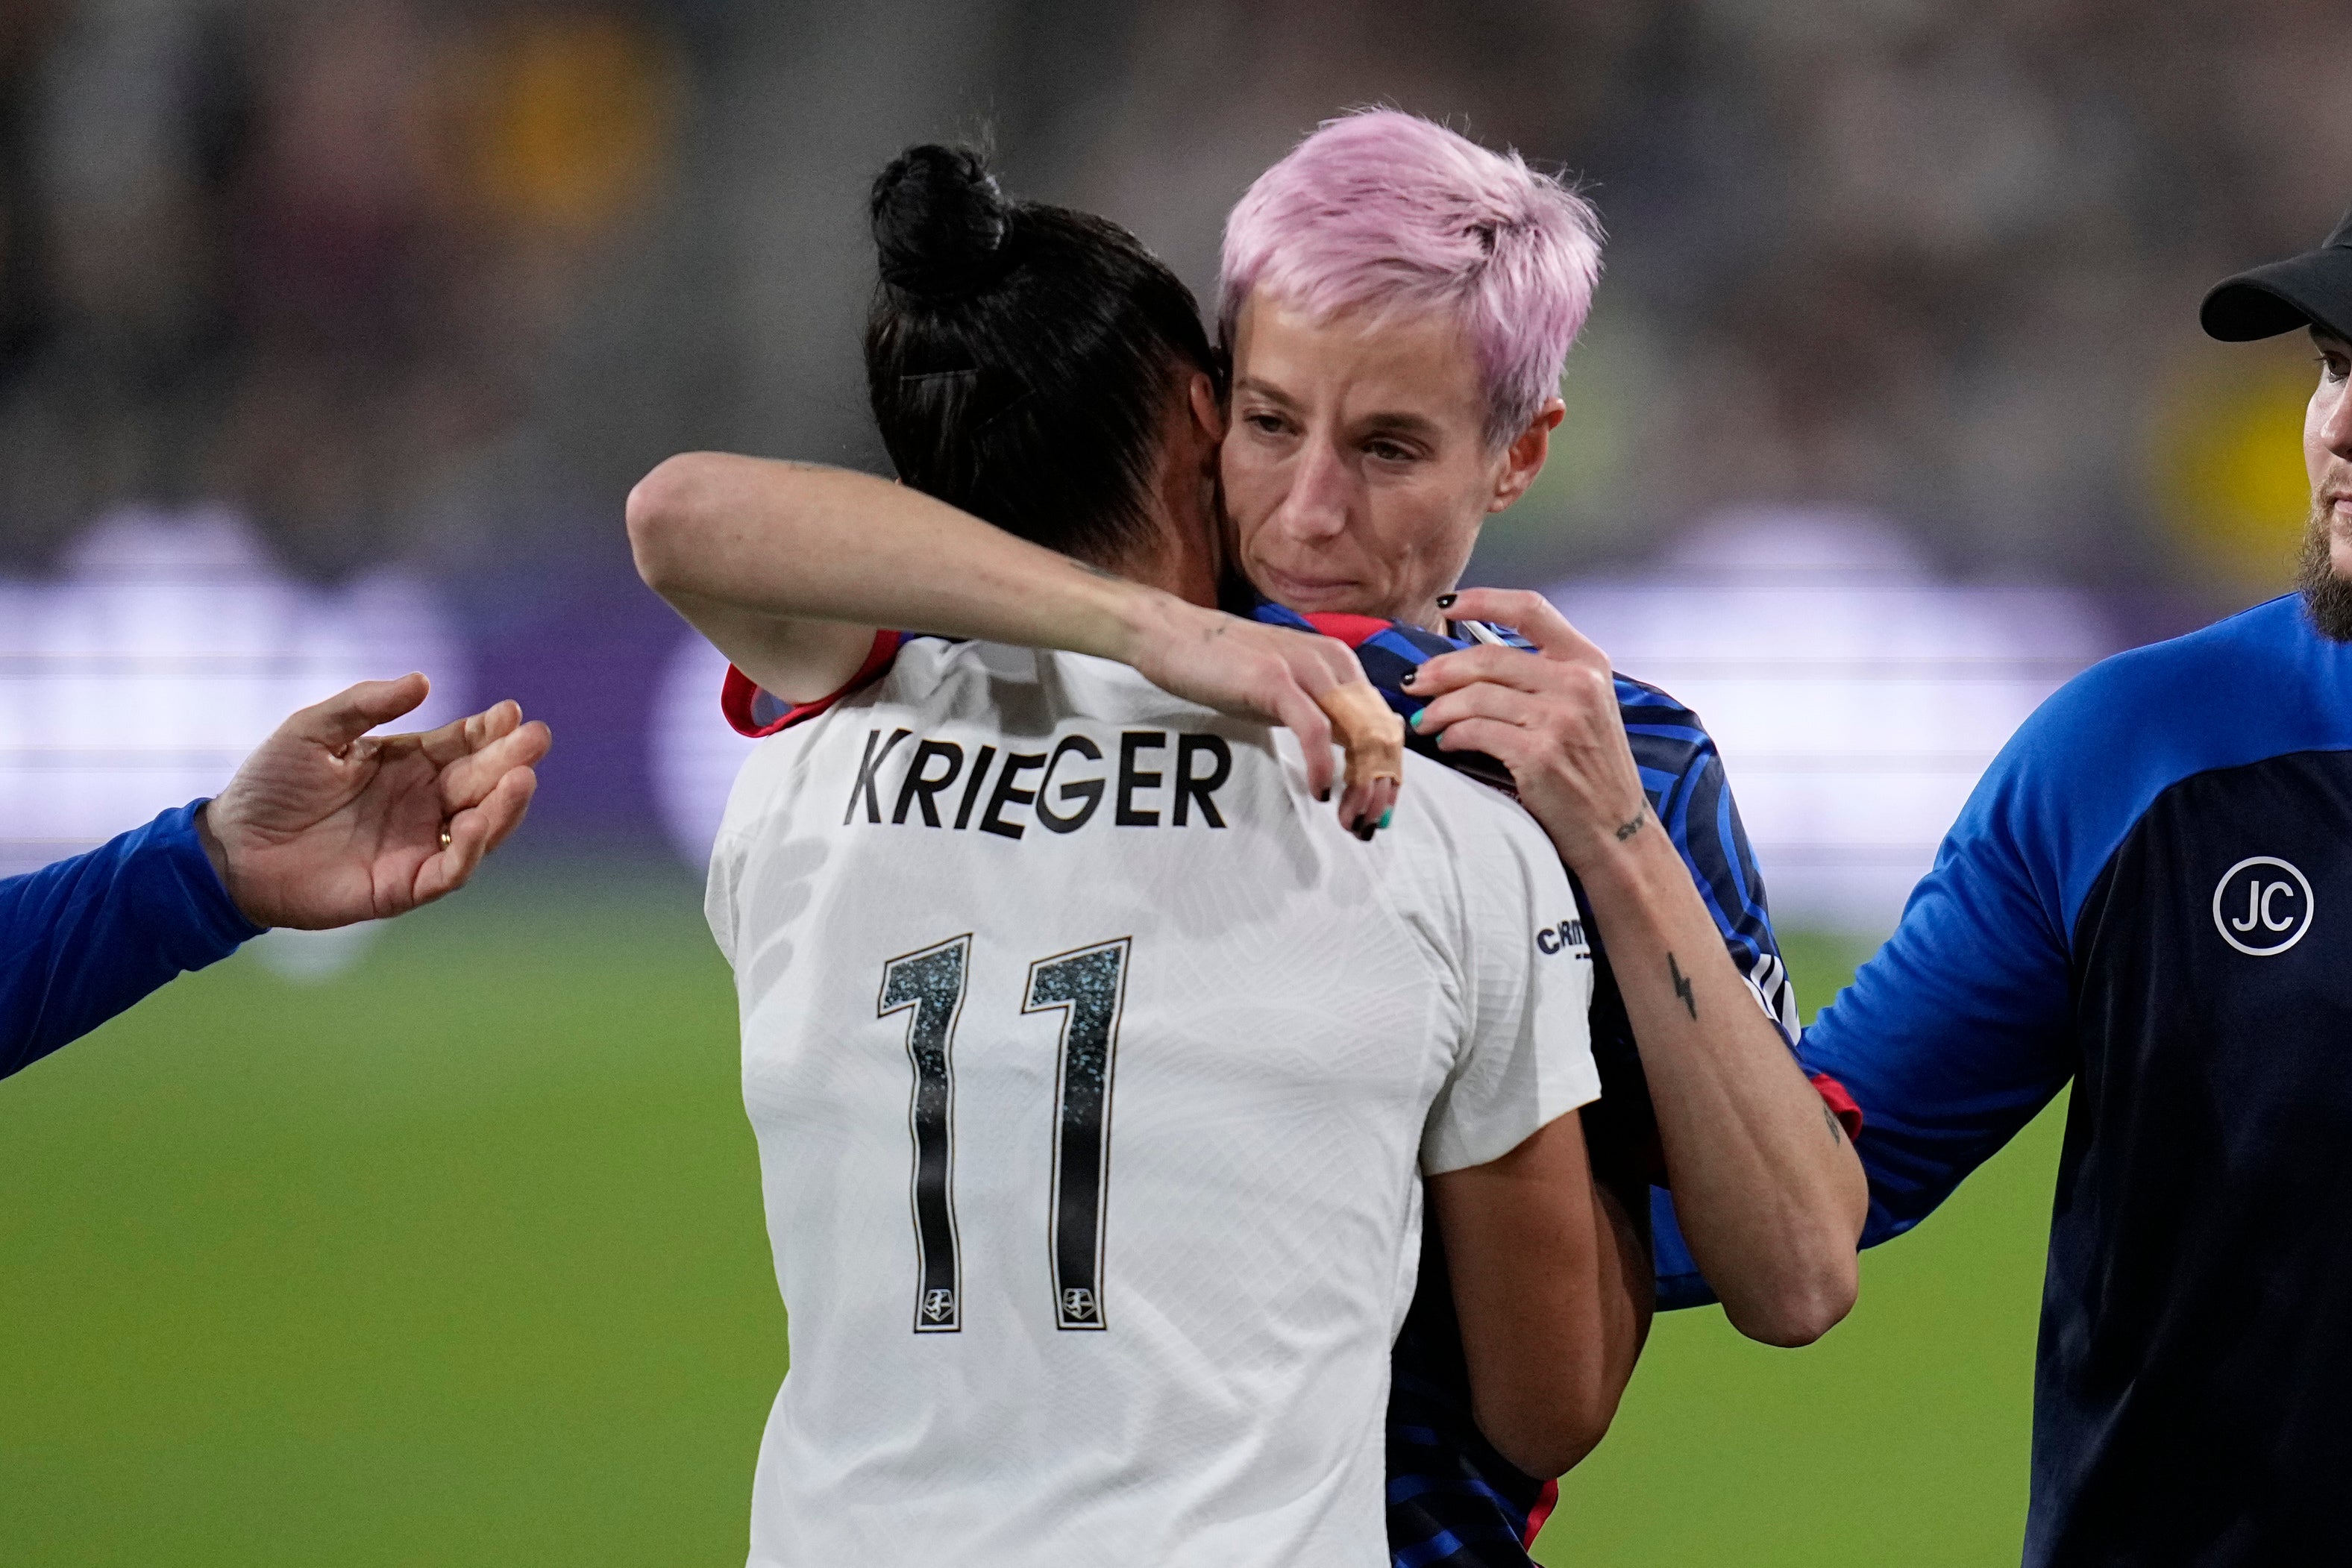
(1899, 313)
(333, 333)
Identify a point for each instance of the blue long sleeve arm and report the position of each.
(1961, 1028)
(1950, 1039)
(85, 939)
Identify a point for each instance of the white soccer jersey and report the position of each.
(1092, 1062)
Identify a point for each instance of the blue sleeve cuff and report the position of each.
(216, 926)
(85, 939)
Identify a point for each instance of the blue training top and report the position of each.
(1451, 1498)
(84, 939)
(2150, 892)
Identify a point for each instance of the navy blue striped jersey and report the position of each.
(1452, 1501)
(2150, 894)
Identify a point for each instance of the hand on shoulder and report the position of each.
(1311, 684)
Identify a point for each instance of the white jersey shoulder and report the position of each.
(1091, 1063)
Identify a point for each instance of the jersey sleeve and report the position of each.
(1959, 1030)
(85, 939)
(1526, 1051)
(755, 714)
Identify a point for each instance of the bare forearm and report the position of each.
(1768, 1192)
(790, 569)
(785, 555)
(1551, 1288)
(1625, 1286)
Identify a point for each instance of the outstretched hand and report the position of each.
(1310, 685)
(325, 825)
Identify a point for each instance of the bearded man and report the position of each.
(2150, 894)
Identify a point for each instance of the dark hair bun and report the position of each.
(940, 221)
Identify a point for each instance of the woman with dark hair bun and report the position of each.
(940, 221)
(1083, 812)
(1023, 359)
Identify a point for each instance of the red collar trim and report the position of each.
(739, 699)
(1353, 630)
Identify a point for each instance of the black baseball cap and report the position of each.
(2311, 289)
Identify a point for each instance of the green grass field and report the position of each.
(458, 1260)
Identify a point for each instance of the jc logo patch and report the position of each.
(2263, 905)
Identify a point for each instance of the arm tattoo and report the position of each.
(1682, 987)
(1837, 1128)
(1627, 830)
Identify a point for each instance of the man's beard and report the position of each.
(2327, 595)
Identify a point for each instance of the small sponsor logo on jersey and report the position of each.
(1159, 778)
(1077, 1305)
(939, 1306)
(2263, 905)
(1568, 936)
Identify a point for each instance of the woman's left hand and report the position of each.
(1552, 717)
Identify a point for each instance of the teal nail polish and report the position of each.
(1387, 816)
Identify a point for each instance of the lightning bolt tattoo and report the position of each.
(1682, 987)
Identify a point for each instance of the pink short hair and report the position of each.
(1386, 210)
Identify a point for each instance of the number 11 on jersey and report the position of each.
(932, 984)
(1087, 987)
